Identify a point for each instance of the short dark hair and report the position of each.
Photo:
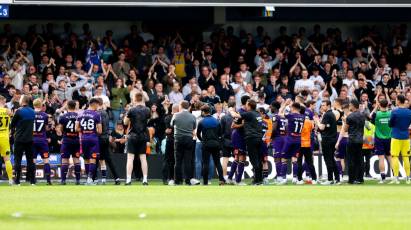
(327, 102)
(310, 102)
(244, 99)
(339, 101)
(252, 104)
(275, 106)
(302, 109)
(138, 97)
(296, 106)
(71, 104)
(262, 110)
(206, 109)
(383, 103)
(401, 98)
(184, 104)
(355, 103)
(96, 101)
(231, 104)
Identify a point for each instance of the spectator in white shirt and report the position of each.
(350, 81)
(239, 89)
(99, 94)
(191, 84)
(245, 74)
(175, 96)
(16, 74)
(304, 83)
(317, 79)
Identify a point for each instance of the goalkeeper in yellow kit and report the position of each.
(5, 119)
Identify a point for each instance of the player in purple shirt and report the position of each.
(89, 126)
(295, 123)
(237, 138)
(40, 143)
(278, 136)
(70, 144)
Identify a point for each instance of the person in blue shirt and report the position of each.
(400, 121)
(22, 127)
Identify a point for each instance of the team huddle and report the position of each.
(288, 130)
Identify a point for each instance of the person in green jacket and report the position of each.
(119, 99)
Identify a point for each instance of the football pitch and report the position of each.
(368, 206)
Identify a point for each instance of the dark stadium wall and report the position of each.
(121, 28)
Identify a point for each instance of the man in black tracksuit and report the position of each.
(105, 156)
(168, 160)
(328, 128)
(22, 127)
(209, 133)
(253, 135)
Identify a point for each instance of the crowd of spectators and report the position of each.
(315, 63)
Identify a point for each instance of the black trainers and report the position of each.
(77, 182)
(117, 182)
(49, 183)
(127, 184)
(145, 183)
(63, 183)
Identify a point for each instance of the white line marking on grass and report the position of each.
(17, 214)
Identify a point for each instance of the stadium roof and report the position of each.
(227, 3)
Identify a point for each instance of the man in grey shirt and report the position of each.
(184, 124)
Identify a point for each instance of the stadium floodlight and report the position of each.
(270, 8)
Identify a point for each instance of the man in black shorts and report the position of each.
(138, 136)
(105, 157)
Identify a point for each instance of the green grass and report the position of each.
(367, 206)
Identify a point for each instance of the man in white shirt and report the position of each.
(175, 96)
(350, 81)
(304, 83)
(317, 79)
(239, 89)
(192, 84)
(99, 94)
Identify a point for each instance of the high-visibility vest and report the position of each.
(368, 137)
(267, 130)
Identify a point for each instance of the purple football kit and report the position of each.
(292, 144)
(40, 143)
(279, 135)
(237, 136)
(70, 144)
(88, 121)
